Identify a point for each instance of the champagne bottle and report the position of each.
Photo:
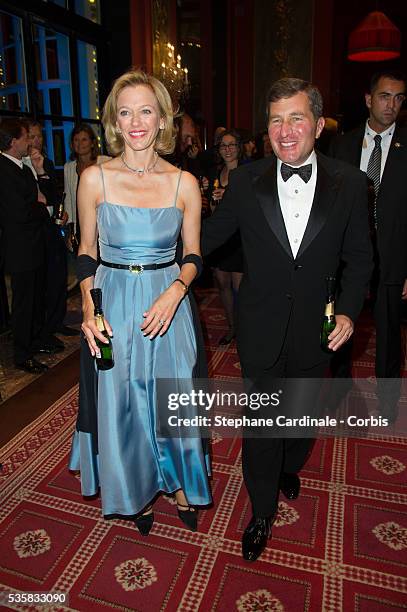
(59, 216)
(214, 202)
(205, 210)
(328, 324)
(74, 243)
(106, 360)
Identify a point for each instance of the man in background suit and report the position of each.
(299, 214)
(56, 259)
(379, 148)
(22, 219)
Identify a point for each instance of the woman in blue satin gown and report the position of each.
(137, 204)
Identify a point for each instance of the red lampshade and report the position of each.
(375, 39)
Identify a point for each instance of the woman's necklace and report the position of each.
(141, 171)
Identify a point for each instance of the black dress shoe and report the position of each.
(255, 538)
(32, 366)
(144, 523)
(290, 485)
(68, 331)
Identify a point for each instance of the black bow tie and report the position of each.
(303, 171)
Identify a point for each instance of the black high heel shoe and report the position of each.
(144, 522)
(189, 516)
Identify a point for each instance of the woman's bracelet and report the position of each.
(185, 286)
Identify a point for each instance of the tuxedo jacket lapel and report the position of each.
(325, 194)
(326, 190)
(395, 157)
(23, 173)
(265, 187)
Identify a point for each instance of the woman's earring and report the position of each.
(118, 131)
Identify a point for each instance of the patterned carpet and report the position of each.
(341, 546)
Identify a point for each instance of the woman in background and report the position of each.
(228, 259)
(84, 146)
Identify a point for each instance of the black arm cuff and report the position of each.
(194, 259)
(86, 266)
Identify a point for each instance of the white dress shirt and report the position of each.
(296, 199)
(14, 159)
(27, 161)
(71, 187)
(369, 143)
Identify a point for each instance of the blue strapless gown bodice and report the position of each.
(133, 464)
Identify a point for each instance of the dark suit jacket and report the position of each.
(49, 186)
(22, 219)
(276, 288)
(391, 200)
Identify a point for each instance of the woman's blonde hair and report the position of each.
(165, 140)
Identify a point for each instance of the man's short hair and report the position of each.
(34, 123)
(289, 87)
(11, 128)
(393, 75)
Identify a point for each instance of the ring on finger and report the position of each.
(161, 322)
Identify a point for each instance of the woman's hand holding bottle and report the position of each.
(90, 329)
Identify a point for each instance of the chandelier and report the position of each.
(172, 74)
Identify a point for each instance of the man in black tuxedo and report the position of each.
(379, 148)
(22, 219)
(56, 258)
(299, 214)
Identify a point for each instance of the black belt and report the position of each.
(137, 268)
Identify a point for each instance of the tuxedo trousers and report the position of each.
(4, 310)
(387, 316)
(56, 280)
(27, 312)
(387, 308)
(264, 459)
